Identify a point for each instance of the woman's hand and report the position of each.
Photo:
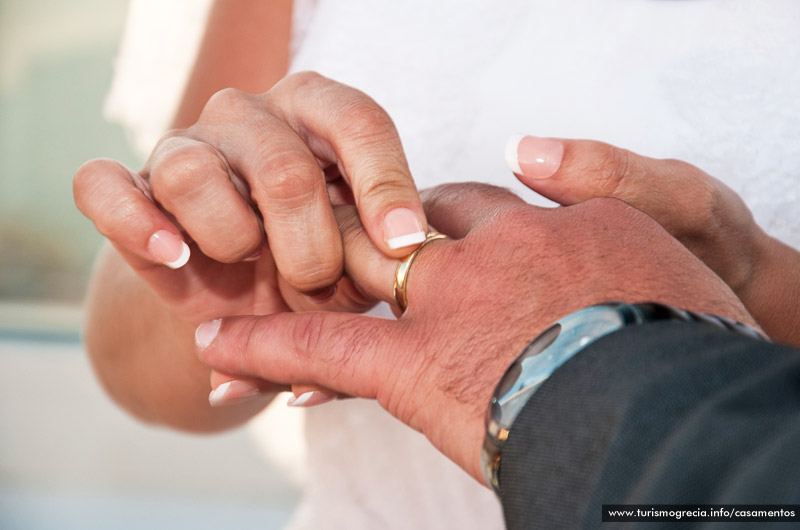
(253, 169)
(706, 216)
(474, 302)
(233, 216)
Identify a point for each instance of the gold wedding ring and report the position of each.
(401, 274)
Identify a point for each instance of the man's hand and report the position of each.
(704, 214)
(475, 301)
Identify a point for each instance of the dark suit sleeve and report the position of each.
(660, 413)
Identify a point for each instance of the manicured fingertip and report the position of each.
(206, 332)
(402, 228)
(534, 157)
(169, 249)
(406, 240)
(512, 148)
(309, 399)
(182, 260)
(231, 392)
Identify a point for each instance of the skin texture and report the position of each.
(474, 302)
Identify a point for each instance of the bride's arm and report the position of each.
(245, 46)
(146, 360)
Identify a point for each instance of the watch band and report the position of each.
(557, 345)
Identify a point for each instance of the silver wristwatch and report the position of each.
(558, 344)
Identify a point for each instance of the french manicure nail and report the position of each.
(231, 392)
(206, 333)
(309, 399)
(168, 249)
(533, 156)
(401, 228)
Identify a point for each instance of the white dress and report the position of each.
(712, 82)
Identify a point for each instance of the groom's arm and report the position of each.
(663, 413)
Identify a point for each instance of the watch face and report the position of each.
(534, 365)
(512, 386)
(534, 348)
(542, 343)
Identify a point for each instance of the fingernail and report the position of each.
(206, 332)
(232, 392)
(402, 228)
(324, 296)
(533, 156)
(309, 399)
(169, 249)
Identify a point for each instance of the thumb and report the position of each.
(685, 200)
(679, 196)
(572, 171)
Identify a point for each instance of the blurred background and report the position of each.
(69, 458)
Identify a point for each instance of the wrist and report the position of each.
(557, 345)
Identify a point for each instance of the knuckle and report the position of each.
(109, 211)
(492, 195)
(291, 179)
(363, 120)
(487, 190)
(314, 273)
(227, 101)
(618, 163)
(247, 339)
(505, 224)
(393, 185)
(304, 78)
(86, 179)
(307, 334)
(609, 166)
(183, 168)
(444, 196)
(453, 192)
(498, 204)
(122, 212)
(293, 83)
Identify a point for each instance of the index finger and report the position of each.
(344, 126)
(301, 349)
